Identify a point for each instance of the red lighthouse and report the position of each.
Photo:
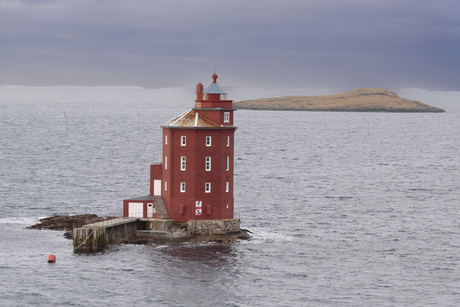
(195, 179)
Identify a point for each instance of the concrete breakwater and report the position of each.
(96, 236)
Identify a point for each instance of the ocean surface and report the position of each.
(346, 209)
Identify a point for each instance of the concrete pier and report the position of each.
(96, 236)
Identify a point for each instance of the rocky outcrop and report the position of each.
(366, 99)
(64, 223)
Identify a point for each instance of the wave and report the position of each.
(262, 236)
(20, 220)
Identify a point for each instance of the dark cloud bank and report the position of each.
(285, 44)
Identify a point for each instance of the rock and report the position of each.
(137, 242)
(228, 239)
(244, 234)
(68, 235)
(64, 223)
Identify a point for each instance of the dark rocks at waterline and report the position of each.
(63, 223)
(244, 234)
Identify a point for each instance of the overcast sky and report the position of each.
(254, 43)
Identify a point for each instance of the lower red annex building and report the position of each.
(195, 179)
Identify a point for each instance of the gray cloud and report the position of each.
(310, 44)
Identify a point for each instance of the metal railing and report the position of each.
(104, 219)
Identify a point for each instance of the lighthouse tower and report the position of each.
(195, 179)
(198, 158)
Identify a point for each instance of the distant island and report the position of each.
(366, 99)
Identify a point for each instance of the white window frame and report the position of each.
(182, 187)
(166, 185)
(166, 162)
(182, 163)
(228, 140)
(227, 186)
(227, 163)
(183, 140)
(207, 187)
(207, 166)
(208, 141)
(226, 117)
(166, 140)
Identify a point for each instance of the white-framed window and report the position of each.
(208, 164)
(166, 185)
(208, 141)
(182, 163)
(166, 140)
(228, 140)
(227, 163)
(227, 186)
(226, 117)
(207, 187)
(182, 187)
(182, 140)
(166, 162)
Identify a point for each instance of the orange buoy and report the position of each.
(51, 258)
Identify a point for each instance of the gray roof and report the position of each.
(147, 197)
(214, 88)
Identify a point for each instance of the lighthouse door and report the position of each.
(150, 210)
(157, 187)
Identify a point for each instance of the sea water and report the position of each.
(346, 209)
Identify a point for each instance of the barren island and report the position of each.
(366, 99)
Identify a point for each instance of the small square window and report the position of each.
(208, 164)
(182, 187)
(226, 117)
(182, 163)
(208, 141)
(207, 187)
(182, 140)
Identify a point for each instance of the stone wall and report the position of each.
(213, 227)
(101, 236)
(119, 233)
(159, 224)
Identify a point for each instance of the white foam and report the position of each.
(261, 236)
(19, 220)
